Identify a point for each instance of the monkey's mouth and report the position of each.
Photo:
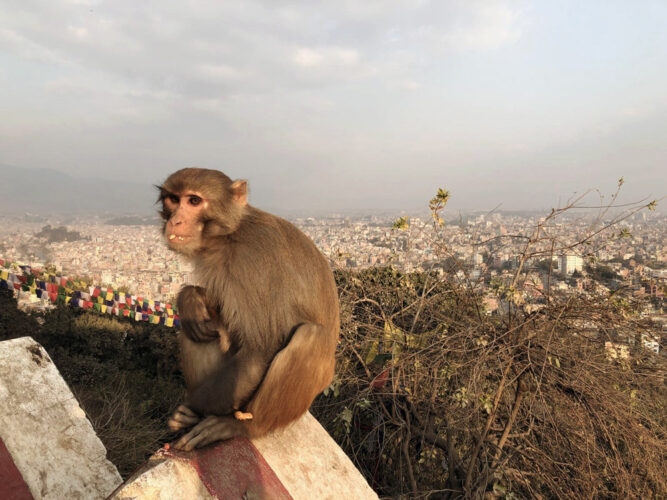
(173, 238)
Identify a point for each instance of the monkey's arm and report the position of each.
(196, 320)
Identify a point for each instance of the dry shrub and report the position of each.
(130, 430)
(435, 398)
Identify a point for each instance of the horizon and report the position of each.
(362, 106)
(58, 196)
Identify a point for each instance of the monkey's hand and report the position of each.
(209, 430)
(182, 418)
(196, 320)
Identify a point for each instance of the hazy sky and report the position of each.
(343, 104)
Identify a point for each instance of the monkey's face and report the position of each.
(199, 206)
(184, 220)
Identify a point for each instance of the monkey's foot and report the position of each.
(242, 415)
(183, 418)
(209, 430)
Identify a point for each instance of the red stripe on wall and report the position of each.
(12, 485)
(235, 469)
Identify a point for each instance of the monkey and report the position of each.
(206, 313)
(259, 332)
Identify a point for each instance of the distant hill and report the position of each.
(47, 191)
(134, 220)
(61, 233)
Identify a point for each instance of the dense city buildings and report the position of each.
(566, 254)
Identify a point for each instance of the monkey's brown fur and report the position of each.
(259, 334)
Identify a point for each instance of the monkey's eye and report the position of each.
(195, 200)
(173, 198)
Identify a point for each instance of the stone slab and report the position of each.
(52, 443)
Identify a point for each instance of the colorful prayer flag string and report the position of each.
(45, 287)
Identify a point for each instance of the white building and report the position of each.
(650, 343)
(567, 264)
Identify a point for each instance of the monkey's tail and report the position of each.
(297, 374)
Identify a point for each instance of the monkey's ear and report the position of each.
(240, 192)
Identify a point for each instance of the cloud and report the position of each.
(213, 47)
(307, 57)
(214, 72)
(327, 66)
(477, 26)
(21, 46)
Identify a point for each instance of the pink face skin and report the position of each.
(184, 226)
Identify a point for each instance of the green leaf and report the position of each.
(402, 224)
(363, 404)
(344, 418)
(381, 358)
(499, 489)
(372, 352)
(393, 337)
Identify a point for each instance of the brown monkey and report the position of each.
(259, 334)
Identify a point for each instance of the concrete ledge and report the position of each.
(233, 469)
(300, 462)
(163, 478)
(311, 464)
(47, 435)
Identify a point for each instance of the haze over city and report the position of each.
(343, 105)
